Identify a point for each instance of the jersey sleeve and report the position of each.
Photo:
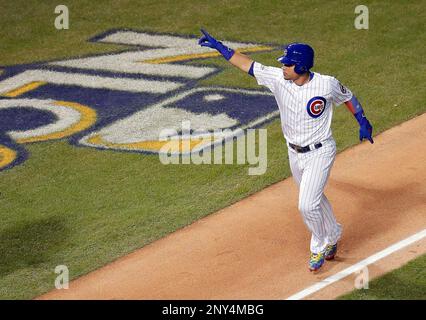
(266, 76)
(339, 92)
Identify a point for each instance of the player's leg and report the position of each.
(295, 167)
(315, 175)
(332, 227)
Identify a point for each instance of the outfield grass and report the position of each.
(84, 207)
(406, 283)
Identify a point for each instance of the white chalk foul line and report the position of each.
(356, 267)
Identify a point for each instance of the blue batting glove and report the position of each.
(208, 41)
(365, 128)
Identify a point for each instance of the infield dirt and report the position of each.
(258, 248)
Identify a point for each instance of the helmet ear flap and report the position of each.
(300, 69)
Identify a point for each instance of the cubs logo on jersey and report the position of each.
(316, 106)
(124, 100)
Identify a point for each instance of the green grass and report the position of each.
(405, 283)
(84, 207)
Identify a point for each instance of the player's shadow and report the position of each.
(388, 206)
(28, 245)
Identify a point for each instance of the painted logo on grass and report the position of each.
(123, 101)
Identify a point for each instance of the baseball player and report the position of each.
(305, 100)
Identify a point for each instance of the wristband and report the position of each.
(251, 72)
(226, 52)
(359, 116)
(356, 109)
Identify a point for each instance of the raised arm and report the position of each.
(239, 60)
(242, 61)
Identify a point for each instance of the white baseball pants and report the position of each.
(311, 171)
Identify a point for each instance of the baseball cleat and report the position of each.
(316, 261)
(330, 251)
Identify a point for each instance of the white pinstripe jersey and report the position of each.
(306, 111)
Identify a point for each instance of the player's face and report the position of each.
(289, 73)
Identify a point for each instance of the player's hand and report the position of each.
(207, 40)
(366, 130)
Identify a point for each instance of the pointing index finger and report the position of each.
(205, 32)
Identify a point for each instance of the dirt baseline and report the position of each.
(258, 248)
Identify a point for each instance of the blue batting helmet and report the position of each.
(299, 54)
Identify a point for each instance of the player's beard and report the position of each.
(287, 77)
